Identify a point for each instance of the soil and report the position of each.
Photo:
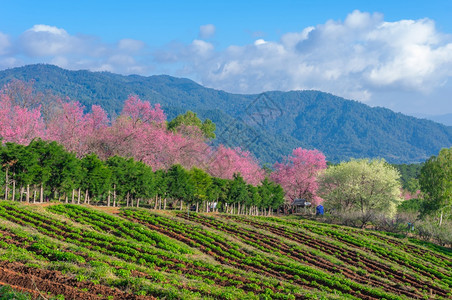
(44, 282)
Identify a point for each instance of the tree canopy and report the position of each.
(361, 185)
(436, 184)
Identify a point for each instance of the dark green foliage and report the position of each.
(340, 128)
(238, 192)
(180, 185)
(409, 176)
(97, 175)
(436, 184)
(411, 206)
(191, 119)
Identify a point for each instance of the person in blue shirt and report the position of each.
(319, 211)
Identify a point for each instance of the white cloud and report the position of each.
(206, 31)
(50, 44)
(361, 58)
(130, 45)
(44, 40)
(403, 65)
(5, 44)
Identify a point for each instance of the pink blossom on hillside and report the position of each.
(18, 124)
(142, 111)
(298, 174)
(68, 127)
(226, 162)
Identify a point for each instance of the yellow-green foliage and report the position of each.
(361, 185)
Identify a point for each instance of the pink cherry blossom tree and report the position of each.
(142, 112)
(18, 123)
(298, 174)
(68, 127)
(227, 161)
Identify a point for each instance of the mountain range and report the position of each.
(269, 125)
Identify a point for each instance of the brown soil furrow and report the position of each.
(53, 282)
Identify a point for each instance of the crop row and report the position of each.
(436, 273)
(266, 242)
(300, 273)
(194, 270)
(15, 245)
(351, 257)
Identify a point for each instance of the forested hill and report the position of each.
(270, 125)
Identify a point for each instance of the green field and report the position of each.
(79, 252)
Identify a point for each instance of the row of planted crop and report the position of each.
(377, 243)
(440, 274)
(164, 262)
(206, 241)
(384, 239)
(300, 273)
(267, 243)
(380, 273)
(89, 265)
(208, 272)
(103, 222)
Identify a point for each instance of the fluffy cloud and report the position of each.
(50, 44)
(44, 40)
(206, 31)
(362, 58)
(403, 65)
(5, 44)
(130, 45)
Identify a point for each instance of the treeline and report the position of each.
(43, 171)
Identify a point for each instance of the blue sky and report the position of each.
(396, 54)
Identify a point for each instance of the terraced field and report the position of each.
(78, 252)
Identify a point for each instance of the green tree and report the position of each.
(121, 179)
(144, 183)
(201, 182)
(180, 186)
(97, 176)
(191, 119)
(238, 192)
(436, 184)
(361, 186)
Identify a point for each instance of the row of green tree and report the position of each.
(43, 171)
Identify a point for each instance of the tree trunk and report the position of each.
(164, 204)
(86, 196)
(441, 218)
(127, 199)
(114, 195)
(14, 190)
(197, 206)
(22, 191)
(73, 196)
(27, 198)
(181, 204)
(79, 196)
(108, 199)
(66, 198)
(6, 185)
(41, 193)
(131, 202)
(138, 202)
(34, 195)
(156, 202)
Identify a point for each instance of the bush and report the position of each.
(429, 230)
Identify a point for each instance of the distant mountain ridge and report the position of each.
(445, 119)
(270, 125)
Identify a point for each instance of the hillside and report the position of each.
(269, 125)
(97, 253)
